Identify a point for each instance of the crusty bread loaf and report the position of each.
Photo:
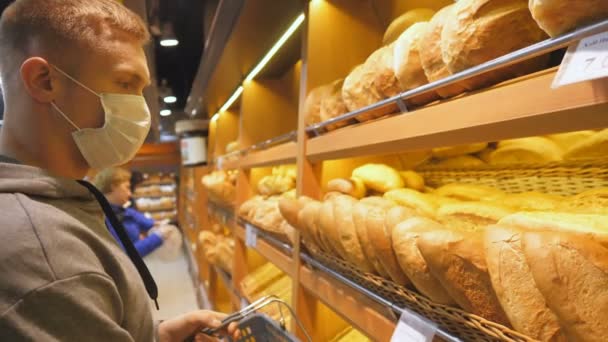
(347, 234)
(431, 56)
(588, 225)
(312, 105)
(526, 150)
(593, 201)
(465, 161)
(353, 186)
(333, 106)
(595, 146)
(481, 30)
(290, 208)
(457, 260)
(572, 274)
(308, 220)
(404, 21)
(469, 192)
(404, 238)
(328, 229)
(360, 211)
(407, 64)
(514, 285)
(550, 14)
(471, 216)
(379, 177)
(412, 180)
(454, 151)
(419, 202)
(371, 82)
(380, 240)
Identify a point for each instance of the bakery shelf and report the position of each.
(226, 279)
(225, 213)
(523, 107)
(280, 154)
(269, 247)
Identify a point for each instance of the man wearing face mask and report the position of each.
(73, 72)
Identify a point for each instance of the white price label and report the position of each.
(413, 328)
(584, 62)
(251, 236)
(219, 163)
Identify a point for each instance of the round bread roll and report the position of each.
(561, 16)
(333, 106)
(379, 177)
(481, 30)
(517, 293)
(407, 64)
(431, 56)
(312, 105)
(411, 261)
(404, 21)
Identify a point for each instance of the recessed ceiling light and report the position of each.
(165, 112)
(170, 99)
(169, 42)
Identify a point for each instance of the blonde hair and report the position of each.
(59, 24)
(108, 178)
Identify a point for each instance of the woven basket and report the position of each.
(561, 178)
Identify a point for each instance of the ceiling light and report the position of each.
(168, 38)
(170, 99)
(290, 31)
(169, 42)
(165, 112)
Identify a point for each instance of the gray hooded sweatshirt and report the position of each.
(62, 275)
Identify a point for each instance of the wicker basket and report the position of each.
(561, 178)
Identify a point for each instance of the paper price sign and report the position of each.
(251, 236)
(413, 328)
(584, 62)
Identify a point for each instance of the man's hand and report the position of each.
(180, 328)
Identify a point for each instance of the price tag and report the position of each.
(413, 328)
(251, 236)
(219, 163)
(584, 62)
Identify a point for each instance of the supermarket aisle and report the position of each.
(176, 293)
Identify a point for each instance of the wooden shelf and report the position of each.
(523, 107)
(284, 262)
(276, 155)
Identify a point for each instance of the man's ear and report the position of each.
(36, 75)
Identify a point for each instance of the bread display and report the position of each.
(379, 177)
(431, 55)
(481, 30)
(221, 186)
(360, 214)
(407, 65)
(347, 233)
(515, 288)
(333, 105)
(404, 21)
(595, 146)
(549, 14)
(526, 151)
(218, 249)
(312, 105)
(405, 236)
(571, 272)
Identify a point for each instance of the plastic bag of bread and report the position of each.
(571, 272)
(515, 288)
(561, 16)
(333, 106)
(595, 146)
(404, 21)
(431, 56)
(457, 260)
(407, 65)
(526, 151)
(312, 105)
(379, 177)
(371, 82)
(405, 236)
(481, 30)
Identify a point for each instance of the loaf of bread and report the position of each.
(404, 21)
(588, 225)
(360, 214)
(353, 187)
(328, 231)
(465, 161)
(469, 192)
(381, 241)
(333, 106)
(593, 201)
(532, 201)
(378, 177)
(551, 14)
(514, 285)
(405, 236)
(373, 81)
(247, 208)
(308, 220)
(407, 64)
(455, 151)
(312, 105)
(595, 146)
(481, 30)
(567, 140)
(347, 233)
(431, 55)
(412, 180)
(422, 204)
(571, 272)
(526, 151)
(471, 216)
(457, 260)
